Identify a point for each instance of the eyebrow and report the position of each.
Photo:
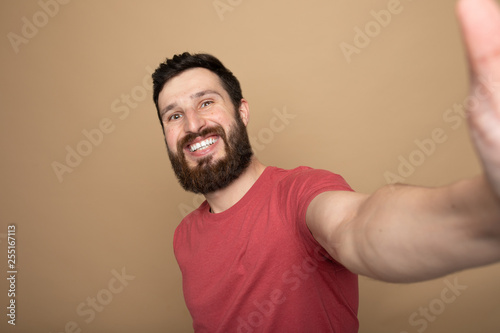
(193, 96)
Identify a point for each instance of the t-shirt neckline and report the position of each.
(205, 208)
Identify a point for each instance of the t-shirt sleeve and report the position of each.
(297, 190)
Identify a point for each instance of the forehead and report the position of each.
(188, 83)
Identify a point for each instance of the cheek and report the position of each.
(224, 120)
(171, 139)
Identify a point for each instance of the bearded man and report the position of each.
(274, 250)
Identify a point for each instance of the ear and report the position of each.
(244, 111)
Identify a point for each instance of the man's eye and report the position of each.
(206, 103)
(175, 116)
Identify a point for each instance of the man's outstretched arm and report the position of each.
(404, 233)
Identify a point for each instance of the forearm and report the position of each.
(405, 233)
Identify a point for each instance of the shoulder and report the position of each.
(187, 222)
(310, 177)
(299, 186)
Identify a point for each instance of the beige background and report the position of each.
(118, 208)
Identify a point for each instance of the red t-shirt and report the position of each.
(256, 267)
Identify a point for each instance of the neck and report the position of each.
(225, 198)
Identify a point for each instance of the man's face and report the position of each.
(207, 145)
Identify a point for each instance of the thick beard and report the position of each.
(208, 176)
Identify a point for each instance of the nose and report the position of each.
(193, 122)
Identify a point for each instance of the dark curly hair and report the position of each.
(182, 62)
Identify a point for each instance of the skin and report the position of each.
(399, 233)
(188, 112)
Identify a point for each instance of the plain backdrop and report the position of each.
(332, 84)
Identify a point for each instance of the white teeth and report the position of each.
(202, 145)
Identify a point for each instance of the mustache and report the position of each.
(214, 130)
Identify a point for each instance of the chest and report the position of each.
(227, 260)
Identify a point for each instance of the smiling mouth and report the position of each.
(202, 144)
